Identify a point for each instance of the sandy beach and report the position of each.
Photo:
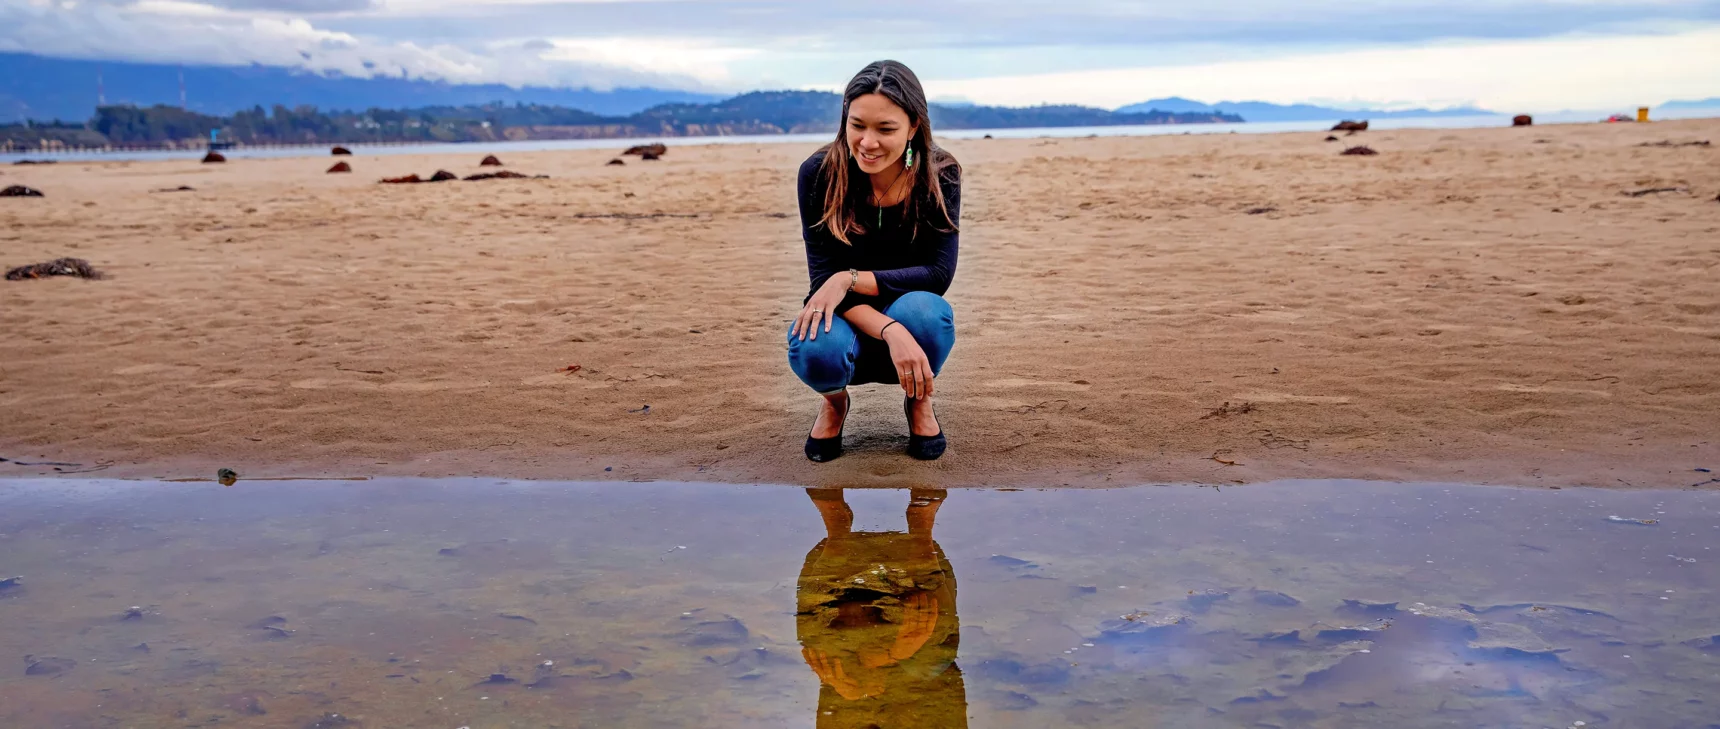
(1484, 305)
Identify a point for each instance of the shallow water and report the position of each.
(1137, 130)
(488, 604)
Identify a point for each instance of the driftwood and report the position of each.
(58, 267)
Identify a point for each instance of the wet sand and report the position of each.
(1469, 305)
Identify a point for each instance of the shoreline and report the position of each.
(319, 149)
(1472, 305)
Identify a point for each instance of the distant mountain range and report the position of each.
(756, 113)
(42, 88)
(1713, 103)
(1260, 111)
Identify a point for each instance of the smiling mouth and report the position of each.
(870, 157)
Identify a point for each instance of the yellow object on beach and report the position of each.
(1642, 113)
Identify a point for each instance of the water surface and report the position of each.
(490, 604)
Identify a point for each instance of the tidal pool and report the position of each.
(441, 604)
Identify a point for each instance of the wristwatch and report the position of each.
(853, 278)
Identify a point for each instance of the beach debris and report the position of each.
(1223, 461)
(1522, 120)
(47, 665)
(988, 136)
(517, 616)
(20, 191)
(649, 156)
(641, 411)
(1360, 149)
(339, 151)
(1654, 191)
(341, 166)
(443, 176)
(1616, 519)
(405, 180)
(570, 369)
(1619, 118)
(1670, 143)
(1350, 126)
(1262, 210)
(36, 162)
(11, 583)
(1226, 410)
(330, 721)
(657, 149)
(504, 175)
(497, 679)
(490, 161)
(226, 476)
(1331, 138)
(181, 188)
(617, 162)
(214, 157)
(58, 267)
(274, 627)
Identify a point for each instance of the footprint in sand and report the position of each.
(150, 369)
(1284, 397)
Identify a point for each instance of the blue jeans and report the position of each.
(842, 357)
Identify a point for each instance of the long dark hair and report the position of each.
(925, 201)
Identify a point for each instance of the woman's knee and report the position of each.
(825, 363)
(923, 312)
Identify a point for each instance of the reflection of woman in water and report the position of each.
(877, 621)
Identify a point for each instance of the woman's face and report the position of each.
(878, 132)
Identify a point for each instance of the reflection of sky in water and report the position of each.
(479, 603)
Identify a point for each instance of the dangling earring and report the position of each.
(908, 160)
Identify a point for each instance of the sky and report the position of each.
(1505, 55)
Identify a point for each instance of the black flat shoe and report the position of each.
(923, 447)
(819, 450)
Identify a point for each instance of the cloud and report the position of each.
(298, 7)
(208, 35)
(1005, 48)
(1576, 72)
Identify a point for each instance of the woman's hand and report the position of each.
(821, 308)
(912, 368)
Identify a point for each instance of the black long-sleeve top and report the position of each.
(901, 259)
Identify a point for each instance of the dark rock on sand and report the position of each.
(337, 151)
(214, 157)
(35, 162)
(657, 149)
(1522, 120)
(181, 188)
(58, 267)
(330, 721)
(406, 180)
(340, 167)
(1350, 126)
(490, 161)
(503, 175)
(651, 156)
(443, 176)
(1331, 138)
(20, 191)
(1362, 150)
(616, 162)
(47, 665)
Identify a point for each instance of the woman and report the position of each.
(878, 210)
